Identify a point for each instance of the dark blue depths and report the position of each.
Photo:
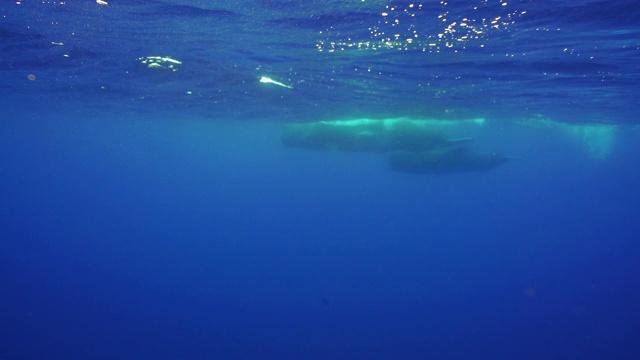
(140, 221)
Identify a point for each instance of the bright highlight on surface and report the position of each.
(415, 27)
(160, 62)
(267, 80)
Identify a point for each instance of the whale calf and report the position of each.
(444, 161)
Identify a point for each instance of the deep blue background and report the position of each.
(138, 221)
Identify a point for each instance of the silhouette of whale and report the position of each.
(444, 161)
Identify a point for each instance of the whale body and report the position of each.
(368, 135)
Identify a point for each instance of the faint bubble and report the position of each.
(31, 77)
(530, 292)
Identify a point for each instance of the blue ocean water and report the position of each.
(150, 210)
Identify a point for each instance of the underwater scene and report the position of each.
(319, 179)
